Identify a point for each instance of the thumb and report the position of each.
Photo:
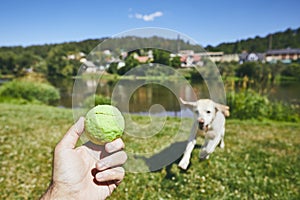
(71, 137)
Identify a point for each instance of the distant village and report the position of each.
(189, 58)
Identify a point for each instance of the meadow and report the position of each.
(260, 160)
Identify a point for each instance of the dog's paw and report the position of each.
(203, 155)
(183, 165)
(222, 144)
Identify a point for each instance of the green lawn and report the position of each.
(260, 160)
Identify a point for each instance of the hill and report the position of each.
(55, 60)
(279, 40)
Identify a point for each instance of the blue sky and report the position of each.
(206, 21)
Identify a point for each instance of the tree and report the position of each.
(113, 68)
(249, 69)
(161, 57)
(59, 65)
(175, 62)
(130, 63)
(7, 62)
(228, 69)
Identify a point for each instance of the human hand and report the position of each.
(86, 172)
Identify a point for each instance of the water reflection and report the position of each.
(149, 94)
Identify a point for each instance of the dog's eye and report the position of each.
(196, 111)
(208, 112)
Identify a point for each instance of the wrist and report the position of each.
(54, 192)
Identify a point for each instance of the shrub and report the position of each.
(29, 91)
(113, 68)
(247, 105)
(94, 100)
(283, 112)
(292, 70)
(251, 105)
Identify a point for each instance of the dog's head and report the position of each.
(205, 110)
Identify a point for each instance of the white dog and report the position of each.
(211, 123)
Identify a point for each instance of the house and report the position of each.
(89, 66)
(251, 57)
(283, 55)
(221, 57)
(186, 52)
(230, 58)
(142, 59)
(76, 56)
(215, 56)
(190, 60)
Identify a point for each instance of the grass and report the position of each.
(260, 160)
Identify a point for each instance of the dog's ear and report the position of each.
(223, 108)
(188, 103)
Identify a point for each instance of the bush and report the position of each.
(283, 112)
(251, 105)
(292, 70)
(27, 91)
(113, 68)
(247, 105)
(95, 100)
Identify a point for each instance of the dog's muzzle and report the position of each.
(201, 124)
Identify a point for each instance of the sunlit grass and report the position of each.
(260, 159)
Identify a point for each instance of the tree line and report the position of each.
(279, 40)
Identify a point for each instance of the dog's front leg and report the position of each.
(185, 161)
(222, 143)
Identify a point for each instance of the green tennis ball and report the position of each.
(104, 123)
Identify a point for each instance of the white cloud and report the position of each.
(149, 17)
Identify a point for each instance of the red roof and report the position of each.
(142, 59)
(197, 58)
(183, 58)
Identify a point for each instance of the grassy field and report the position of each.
(260, 161)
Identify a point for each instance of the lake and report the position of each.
(141, 95)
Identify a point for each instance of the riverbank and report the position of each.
(260, 160)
